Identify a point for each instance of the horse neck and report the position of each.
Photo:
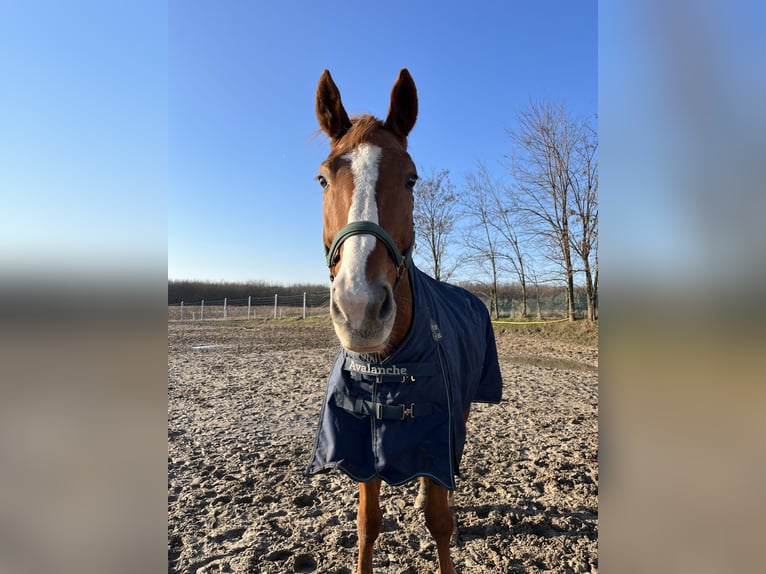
(404, 313)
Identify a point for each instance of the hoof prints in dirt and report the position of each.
(241, 428)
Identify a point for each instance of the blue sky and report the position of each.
(154, 139)
(83, 144)
(242, 144)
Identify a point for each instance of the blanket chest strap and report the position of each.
(380, 411)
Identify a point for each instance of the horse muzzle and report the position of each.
(363, 314)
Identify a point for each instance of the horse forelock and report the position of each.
(363, 129)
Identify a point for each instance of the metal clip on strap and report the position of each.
(380, 411)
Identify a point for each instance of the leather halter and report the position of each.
(401, 259)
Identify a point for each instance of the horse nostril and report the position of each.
(387, 306)
(335, 309)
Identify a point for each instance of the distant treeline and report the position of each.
(543, 300)
(552, 298)
(513, 290)
(193, 291)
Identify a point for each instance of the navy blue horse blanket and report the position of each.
(402, 417)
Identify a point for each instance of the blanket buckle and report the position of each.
(408, 411)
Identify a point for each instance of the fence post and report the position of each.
(275, 304)
(182, 310)
(304, 304)
(224, 308)
(248, 307)
(202, 311)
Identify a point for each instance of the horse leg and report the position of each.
(368, 521)
(420, 499)
(440, 523)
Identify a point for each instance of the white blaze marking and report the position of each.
(352, 280)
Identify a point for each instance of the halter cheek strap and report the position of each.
(401, 260)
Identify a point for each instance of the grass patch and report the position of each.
(581, 332)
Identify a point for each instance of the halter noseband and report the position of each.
(401, 260)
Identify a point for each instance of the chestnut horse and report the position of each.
(415, 352)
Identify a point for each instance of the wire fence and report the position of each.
(276, 307)
(549, 307)
(314, 304)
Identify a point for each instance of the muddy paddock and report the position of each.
(243, 403)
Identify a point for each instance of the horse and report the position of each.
(415, 352)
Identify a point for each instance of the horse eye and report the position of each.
(411, 180)
(322, 181)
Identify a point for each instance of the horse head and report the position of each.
(368, 181)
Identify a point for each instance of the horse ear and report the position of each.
(403, 110)
(331, 114)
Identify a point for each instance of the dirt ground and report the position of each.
(243, 404)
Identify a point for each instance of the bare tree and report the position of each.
(435, 215)
(504, 216)
(543, 165)
(536, 283)
(584, 186)
(481, 237)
